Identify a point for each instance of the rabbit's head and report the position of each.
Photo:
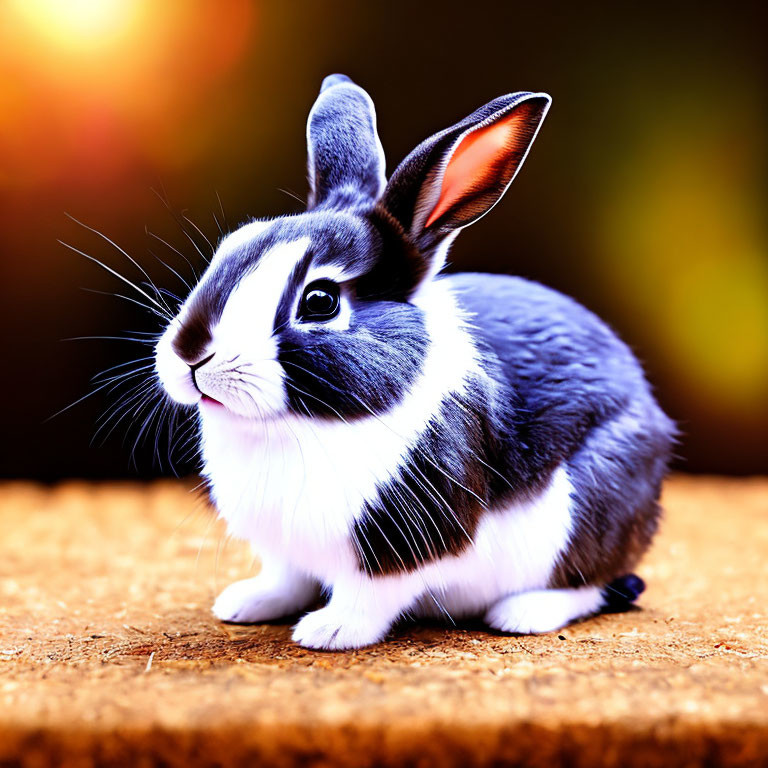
(327, 313)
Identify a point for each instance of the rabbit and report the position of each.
(399, 443)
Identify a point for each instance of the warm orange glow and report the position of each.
(78, 23)
(95, 89)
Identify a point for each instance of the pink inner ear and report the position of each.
(474, 162)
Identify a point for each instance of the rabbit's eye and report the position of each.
(320, 301)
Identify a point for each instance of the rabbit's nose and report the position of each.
(193, 367)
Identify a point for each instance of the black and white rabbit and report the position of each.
(406, 443)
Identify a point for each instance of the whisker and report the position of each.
(79, 400)
(200, 232)
(162, 315)
(124, 375)
(139, 393)
(128, 397)
(122, 365)
(150, 334)
(171, 295)
(292, 194)
(174, 249)
(165, 411)
(290, 383)
(122, 409)
(179, 221)
(218, 226)
(221, 207)
(118, 248)
(171, 269)
(116, 274)
(109, 338)
(143, 429)
(186, 441)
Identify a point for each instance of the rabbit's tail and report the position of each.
(621, 593)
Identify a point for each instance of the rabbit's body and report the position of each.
(469, 445)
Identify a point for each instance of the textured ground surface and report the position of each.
(108, 653)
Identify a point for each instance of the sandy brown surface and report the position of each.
(109, 655)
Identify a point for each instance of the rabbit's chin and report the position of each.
(224, 416)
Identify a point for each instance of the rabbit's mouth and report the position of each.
(233, 409)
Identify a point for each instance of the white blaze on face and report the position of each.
(243, 372)
(249, 315)
(238, 239)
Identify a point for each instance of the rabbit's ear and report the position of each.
(346, 160)
(455, 177)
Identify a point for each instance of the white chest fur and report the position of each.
(296, 485)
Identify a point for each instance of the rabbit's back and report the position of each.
(567, 370)
(574, 395)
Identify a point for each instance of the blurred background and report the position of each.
(644, 196)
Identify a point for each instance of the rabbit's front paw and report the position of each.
(254, 600)
(332, 629)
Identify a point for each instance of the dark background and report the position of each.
(644, 195)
